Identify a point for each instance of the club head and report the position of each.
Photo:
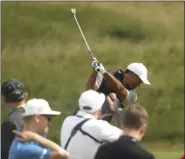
(73, 10)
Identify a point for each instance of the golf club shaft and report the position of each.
(91, 54)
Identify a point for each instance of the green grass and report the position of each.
(165, 150)
(42, 46)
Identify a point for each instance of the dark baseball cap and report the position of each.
(12, 89)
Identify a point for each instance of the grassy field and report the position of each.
(165, 150)
(42, 46)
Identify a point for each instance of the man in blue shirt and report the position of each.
(28, 150)
(29, 144)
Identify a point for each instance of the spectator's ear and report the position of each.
(142, 130)
(37, 118)
(26, 96)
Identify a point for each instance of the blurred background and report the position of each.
(42, 46)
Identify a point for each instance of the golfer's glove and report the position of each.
(98, 67)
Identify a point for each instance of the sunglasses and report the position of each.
(48, 117)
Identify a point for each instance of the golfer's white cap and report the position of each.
(38, 107)
(91, 101)
(140, 70)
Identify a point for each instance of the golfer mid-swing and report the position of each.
(117, 85)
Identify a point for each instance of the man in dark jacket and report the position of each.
(134, 123)
(14, 96)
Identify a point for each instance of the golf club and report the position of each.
(73, 10)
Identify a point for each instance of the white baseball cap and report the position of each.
(140, 70)
(38, 107)
(92, 100)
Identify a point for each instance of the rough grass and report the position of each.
(165, 150)
(42, 47)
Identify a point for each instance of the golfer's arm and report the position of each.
(51, 145)
(91, 83)
(116, 86)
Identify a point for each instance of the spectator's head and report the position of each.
(91, 102)
(135, 120)
(37, 116)
(13, 92)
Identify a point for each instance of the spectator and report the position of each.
(14, 97)
(135, 120)
(30, 144)
(182, 157)
(83, 133)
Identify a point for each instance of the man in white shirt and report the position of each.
(83, 133)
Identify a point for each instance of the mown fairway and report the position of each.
(42, 46)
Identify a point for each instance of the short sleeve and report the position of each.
(108, 133)
(33, 151)
(130, 99)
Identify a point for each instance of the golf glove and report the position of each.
(98, 67)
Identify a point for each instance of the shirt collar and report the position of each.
(85, 115)
(17, 107)
(20, 106)
(130, 138)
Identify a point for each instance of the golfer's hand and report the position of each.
(25, 135)
(98, 67)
